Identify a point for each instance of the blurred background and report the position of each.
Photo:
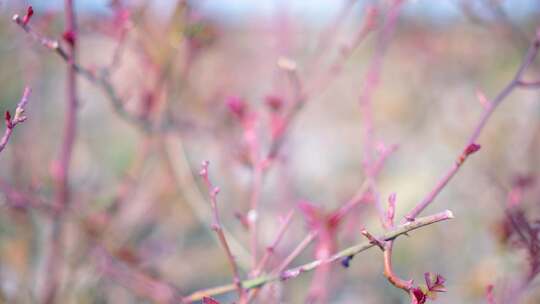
(139, 217)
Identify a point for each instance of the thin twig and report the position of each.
(366, 99)
(134, 279)
(216, 226)
(271, 248)
(177, 161)
(296, 252)
(253, 214)
(269, 252)
(302, 95)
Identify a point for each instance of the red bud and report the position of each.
(28, 16)
(69, 37)
(472, 148)
(7, 117)
(237, 106)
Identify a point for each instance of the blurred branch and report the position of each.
(346, 253)
(369, 86)
(534, 85)
(269, 252)
(22, 200)
(12, 122)
(135, 280)
(301, 94)
(102, 80)
(512, 31)
(270, 249)
(54, 259)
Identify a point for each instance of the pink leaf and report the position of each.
(418, 296)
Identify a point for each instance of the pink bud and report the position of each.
(482, 99)
(237, 106)
(274, 102)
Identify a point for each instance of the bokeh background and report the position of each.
(179, 62)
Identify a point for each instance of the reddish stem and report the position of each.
(270, 249)
(53, 262)
(216, 226)
(406, 285)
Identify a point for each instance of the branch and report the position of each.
(303, 95)
(366, 99)
(55, 255)
(270, 249)
(529, 84)
(471, 143)
(346, 253)
(19, 117)
(216, 226)
(18, 199)
(102, 80)
(134, 279)
(269, 252)
(406, 285)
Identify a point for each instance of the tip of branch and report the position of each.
(27, 91)
(24, 98)
(449, 214)
(484, 102)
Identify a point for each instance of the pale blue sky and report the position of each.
(307, 10)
